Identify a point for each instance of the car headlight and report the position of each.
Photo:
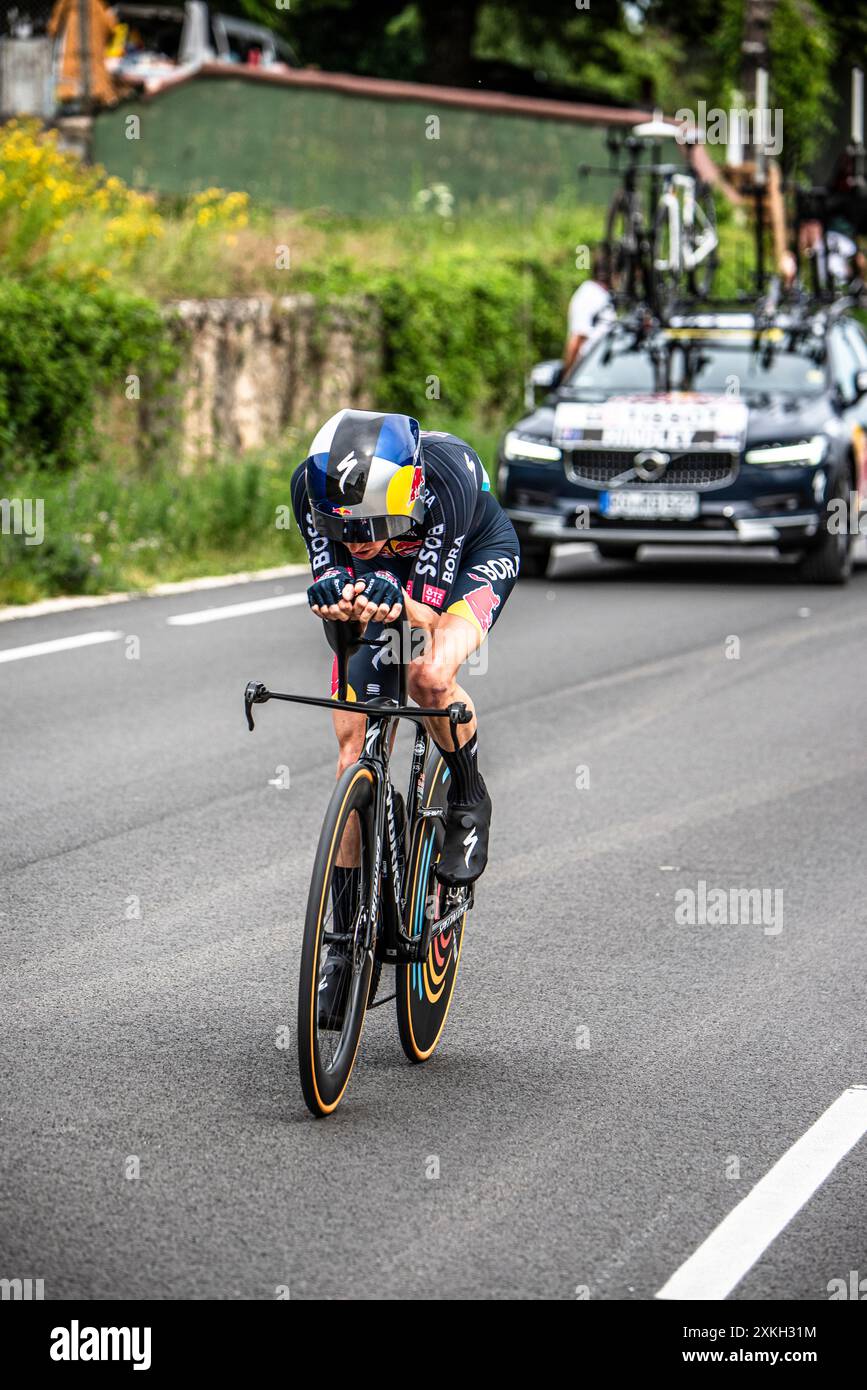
(517, 446)
(807, 453)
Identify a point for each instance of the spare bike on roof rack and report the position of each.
(392, 910)
(672, 249)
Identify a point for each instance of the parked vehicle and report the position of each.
(158, 40)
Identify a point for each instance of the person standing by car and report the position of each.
(591, 310)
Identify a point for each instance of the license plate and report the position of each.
(647, 505)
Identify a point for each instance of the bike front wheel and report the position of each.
(335, 919)
(424, 988)
(622, 244)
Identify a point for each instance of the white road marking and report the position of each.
(237, 610)
(60, 644)
(183, 586)
(733, 1248)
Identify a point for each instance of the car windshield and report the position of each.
(675, 362)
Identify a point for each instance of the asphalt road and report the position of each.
(611, 1083)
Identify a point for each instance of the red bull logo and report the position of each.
(342, 511)
(417, 483)
(483, 603)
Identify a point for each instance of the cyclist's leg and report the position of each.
(433, 675)
(367, 677)
(478, 596)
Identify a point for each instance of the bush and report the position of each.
(63, 347)
(70, 218)
(102, 533)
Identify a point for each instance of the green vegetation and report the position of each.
(638, 52)
(107, 531)
(63, 345)
(466, 305)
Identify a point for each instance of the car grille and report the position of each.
(597, 467)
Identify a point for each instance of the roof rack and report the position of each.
(795, 303)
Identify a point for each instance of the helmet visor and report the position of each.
(354, 530)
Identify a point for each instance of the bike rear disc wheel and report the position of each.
(326, 1056)
(424, 988)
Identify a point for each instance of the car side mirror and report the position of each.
(543, 377)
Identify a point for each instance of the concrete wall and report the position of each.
(254, 369)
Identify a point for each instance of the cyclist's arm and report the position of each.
(572, 351)
(325, 555)
(421, 614)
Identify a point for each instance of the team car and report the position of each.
(721, 428)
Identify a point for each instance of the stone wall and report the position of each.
(255, 369)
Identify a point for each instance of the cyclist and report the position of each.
(392, 515)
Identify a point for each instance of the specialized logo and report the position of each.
(345, 467)
(483, 603)
(470, 841)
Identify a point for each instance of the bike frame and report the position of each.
(686, 250)
(392, 943)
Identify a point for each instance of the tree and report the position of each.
(542, 47)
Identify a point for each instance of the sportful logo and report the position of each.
(345, 467)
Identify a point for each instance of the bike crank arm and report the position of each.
(446, 922)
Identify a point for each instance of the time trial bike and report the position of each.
(391, 909)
